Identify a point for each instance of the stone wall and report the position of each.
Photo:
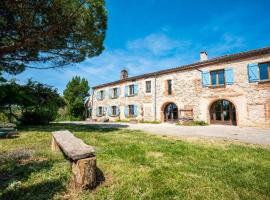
(250, 99)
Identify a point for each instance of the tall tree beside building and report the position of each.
(57, 32)
(75, 93)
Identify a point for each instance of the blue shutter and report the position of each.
(117, 110)
(126, 111)
(205, 78)
(253, 72)
(110, 93)
(102, 110)
(109, 111)
(118, 91)
(126, 90)
(135, 89)
(104, 94)
(97, 111)
(97, 95)
(229, 75)
(136, 110)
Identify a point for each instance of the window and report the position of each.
(100, 111)
(264, 71)
(131, 110)
(148, 86)
(114, 94)
(114, 111)
(169, 82)
(102, 94)
(217, 77)
(131, 90)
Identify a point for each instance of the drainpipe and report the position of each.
(155, 103)
(92, 104)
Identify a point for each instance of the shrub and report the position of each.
(149, 122)
(37, 117)
(193, 123)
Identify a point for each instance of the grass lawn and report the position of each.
(135, 165)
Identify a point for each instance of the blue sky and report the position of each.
(150, 35)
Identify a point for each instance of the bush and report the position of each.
(37, 118)
(3, 118)
(193, 123)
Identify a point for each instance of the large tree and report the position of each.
(57, 32)
(75, 94)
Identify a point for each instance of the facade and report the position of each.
(232, 89)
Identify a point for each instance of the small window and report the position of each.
(169, 82)
(101, 96)
(217, 77)
(264, 71)
(131, 90)
(148, 86)
(114, 110)
(100, 111)
(114, 95)
(131, 110)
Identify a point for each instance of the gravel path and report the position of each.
(248, 135)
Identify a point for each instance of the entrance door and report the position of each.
(171, 113)
(223, 112)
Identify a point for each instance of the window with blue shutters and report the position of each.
(131, 90)
(217, 77)
(99, 111)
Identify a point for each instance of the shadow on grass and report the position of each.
(102, 128)
(40, 191)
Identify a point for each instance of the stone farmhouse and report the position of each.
(231, 90)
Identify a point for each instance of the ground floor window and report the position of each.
(100, 111)
(131, 110)
(114, 110)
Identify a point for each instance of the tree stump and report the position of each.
(84, 173)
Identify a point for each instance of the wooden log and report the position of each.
(84, 173)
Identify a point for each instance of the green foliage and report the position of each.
(135, 165)
(193, 123)
(58, 32)
(122, 120)
(75, 93)
(3, 118)
(33, 103)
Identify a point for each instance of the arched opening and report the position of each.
(223, 112)
(170, 112)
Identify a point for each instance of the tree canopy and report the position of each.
(75, 94)
(57, 32)
(32, 103)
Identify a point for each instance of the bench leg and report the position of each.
(84, 173)
(54, 145)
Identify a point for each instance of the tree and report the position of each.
(33, 103)
(57, 32)
(75, 93)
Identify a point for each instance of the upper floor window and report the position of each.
(169, 83)
(114, 94)
(217, 77)
(220, 77)
(148, 86)
(131, 90)
(264, 71)
(100, 95)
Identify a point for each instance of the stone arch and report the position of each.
(174, 112)
(222, 111)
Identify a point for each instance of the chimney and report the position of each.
(124, 74)
(203, 56)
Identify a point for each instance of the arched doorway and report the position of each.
(170, 112)
(223, 112)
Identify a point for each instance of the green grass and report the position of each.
(135, 165)
(149, 122)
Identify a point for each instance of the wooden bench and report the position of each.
(82, 157)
